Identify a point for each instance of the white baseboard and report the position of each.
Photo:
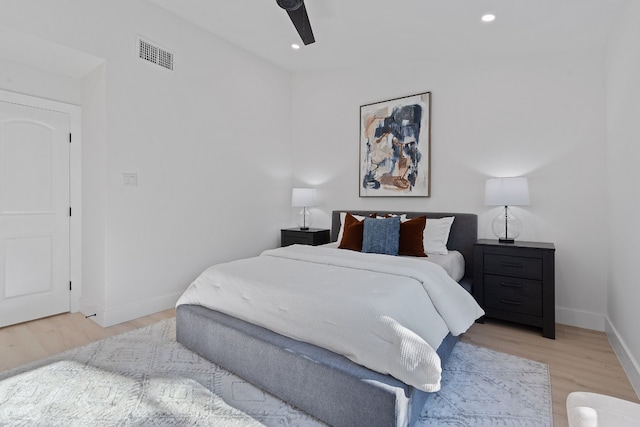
(628, 362)
(134, 310)
(580, 319)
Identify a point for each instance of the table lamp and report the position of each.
(304, 198)
(506, 192)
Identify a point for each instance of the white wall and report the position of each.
(200, 200)
(94, 201)
(623, 111)
(541, 116)
(29, 80)
(210, 143)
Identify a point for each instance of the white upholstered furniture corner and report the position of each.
(597, 410)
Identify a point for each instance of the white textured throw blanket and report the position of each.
(383, 312)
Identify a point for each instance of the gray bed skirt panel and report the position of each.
(324, 384)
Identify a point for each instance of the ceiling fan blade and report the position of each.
(300, 20)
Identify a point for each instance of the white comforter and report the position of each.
(385, 313)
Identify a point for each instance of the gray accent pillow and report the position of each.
(381, 236)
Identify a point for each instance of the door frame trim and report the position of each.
(75, 186)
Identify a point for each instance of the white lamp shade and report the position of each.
(303, 197)
(506, 192)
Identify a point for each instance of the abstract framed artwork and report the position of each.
(395, 147)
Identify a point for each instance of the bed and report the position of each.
(321, 382)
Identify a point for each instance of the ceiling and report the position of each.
(353, 33)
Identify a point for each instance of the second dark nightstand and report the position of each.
(312, 236)
(516, 282)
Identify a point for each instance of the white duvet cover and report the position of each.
(385, 313)
(452, 262)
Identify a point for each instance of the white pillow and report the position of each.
(403, 217)
(436, 235)
(343, 215)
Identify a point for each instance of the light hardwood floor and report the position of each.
(578, 359)
(30, 341)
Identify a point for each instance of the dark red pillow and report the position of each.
(412, 237)
(352, 233)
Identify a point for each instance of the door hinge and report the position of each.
(69, 285)
(69, 137)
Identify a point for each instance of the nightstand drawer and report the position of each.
(513, 304)
(526, 288)
(513, 294)
(298, 239)
(513, 266)
(311, 236)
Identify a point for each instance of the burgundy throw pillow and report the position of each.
(352, 233)
(411, 237)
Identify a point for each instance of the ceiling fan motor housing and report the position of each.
(290, 5)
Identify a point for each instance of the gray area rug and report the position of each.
(144, 377)
(486, 388)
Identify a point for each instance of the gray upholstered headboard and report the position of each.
(464, 231)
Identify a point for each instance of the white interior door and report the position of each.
(34, 213)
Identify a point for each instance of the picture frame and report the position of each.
(395, 147)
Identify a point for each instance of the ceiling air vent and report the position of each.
(154, 53)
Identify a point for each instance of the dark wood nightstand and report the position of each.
(312, 236)
(516, 282)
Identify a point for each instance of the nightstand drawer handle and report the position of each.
(511, 264)
(511, 285)
(507, 301)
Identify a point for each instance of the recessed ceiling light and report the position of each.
(488, 17)
(295, 46)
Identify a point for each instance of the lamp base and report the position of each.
(304, 219)
(506, 226)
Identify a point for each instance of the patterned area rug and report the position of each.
(486, 388)
(144, 377)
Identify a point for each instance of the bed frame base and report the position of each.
(324, 384)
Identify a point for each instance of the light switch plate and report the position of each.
(129, 179)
